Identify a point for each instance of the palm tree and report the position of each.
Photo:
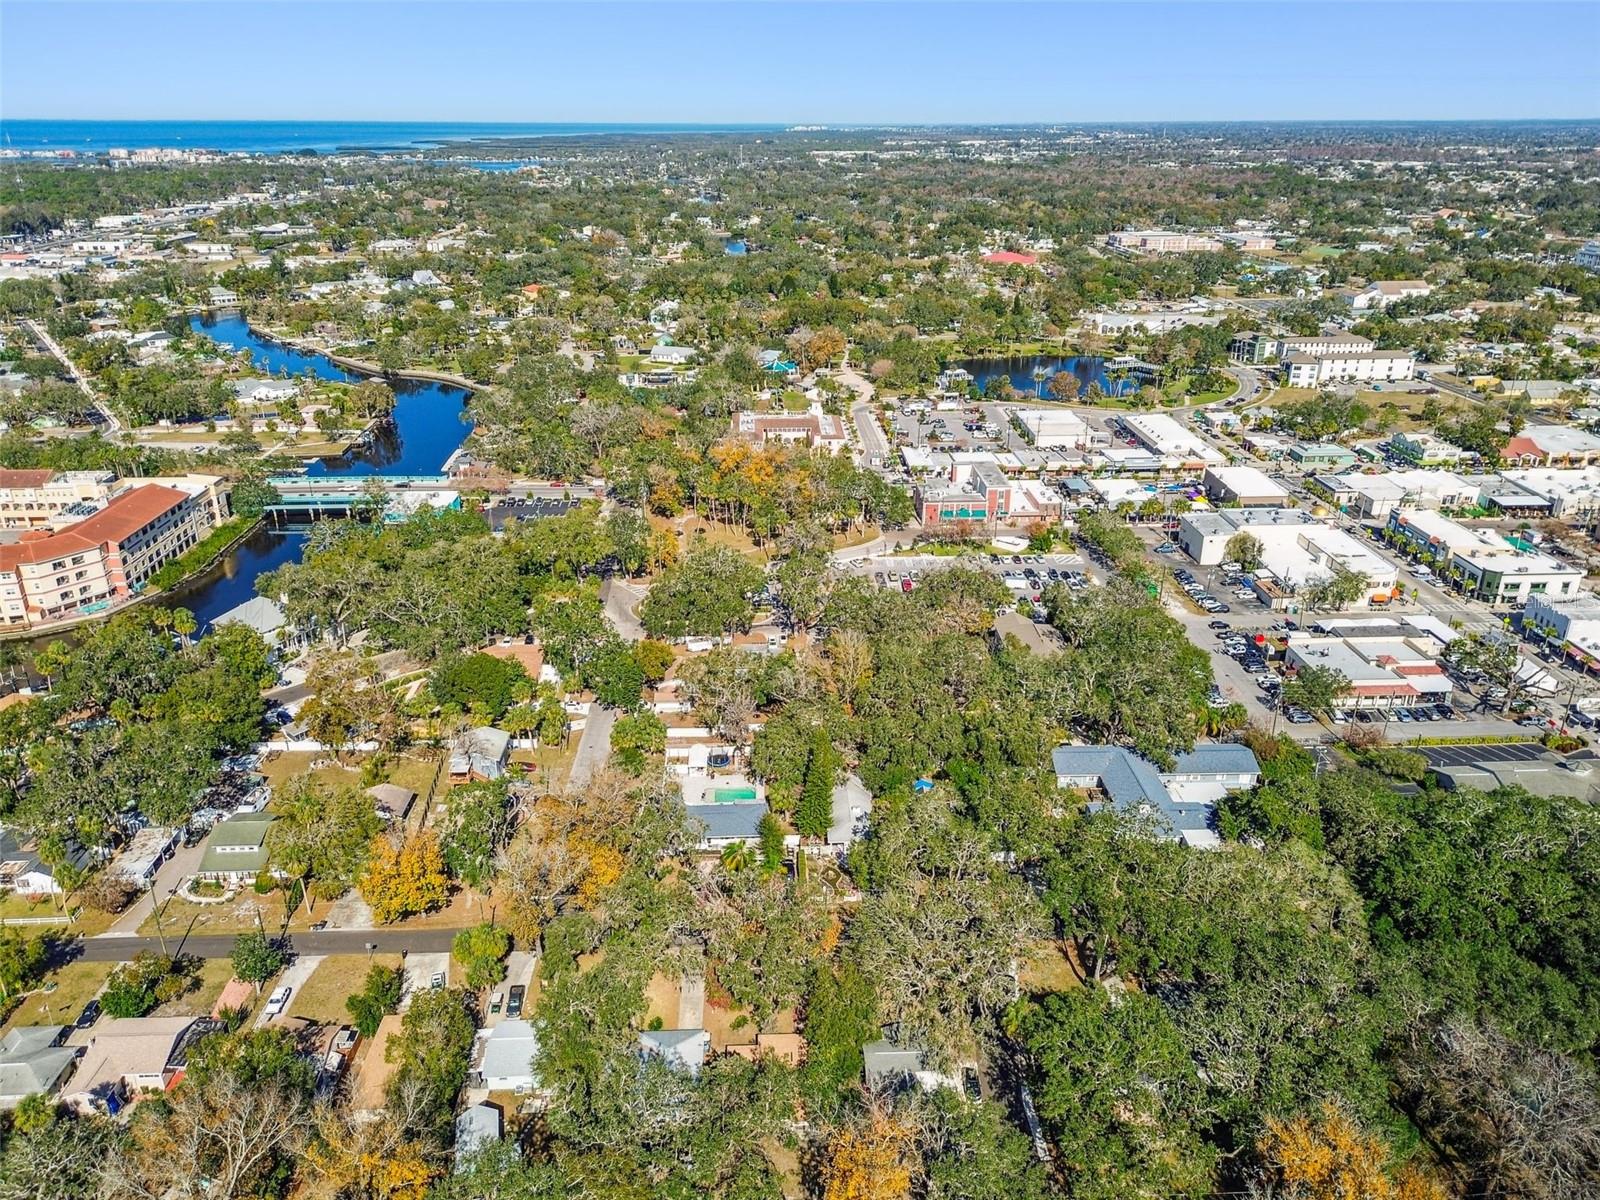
(184, 624)
(736, 856)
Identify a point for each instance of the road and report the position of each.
(429, 940)
(113, 426)
(620, 599)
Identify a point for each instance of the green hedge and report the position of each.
(203, 553)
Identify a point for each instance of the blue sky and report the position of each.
(779, 62)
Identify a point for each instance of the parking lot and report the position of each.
(530, 509)
(1471, 756)
(1026, 574)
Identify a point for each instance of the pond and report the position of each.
(1031, 374)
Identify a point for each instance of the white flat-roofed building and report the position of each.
(1248, 487)
(1383, 292)
(1171, 440)
(1369, 366)
(1159, 321)
(1370, 496)
(1496, 572)
(1430, 534)
(1052, 427)
(1161, 241)
(1573, 620)
(1573, 492)
(1323, 343)
(1297, 550)
(1383, 672)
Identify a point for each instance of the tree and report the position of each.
(814, 814)
(871, 1158)
(635, 738)
(476, 822)
(378, 997)
(1497, 658)
(614, 675)
(431, 1053)
(405, 878)
(1329, 1157)
(770, 834)
(137, 987)
(481, 951)
(479, 683)
(61, 1158)
(256, 958)
(655, 659)
(737, 856)
(704, 594)
(22, 961)
(1244, 548)
(1315, 689)
(1342, 588)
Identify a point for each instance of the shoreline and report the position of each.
(361, 366)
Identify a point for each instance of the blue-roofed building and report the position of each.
(1183, 800)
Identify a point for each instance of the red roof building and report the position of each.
(1011, 258)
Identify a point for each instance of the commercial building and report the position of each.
(980, 492)
(1160, 241)
(108, 556)
(1182, 801)
(1588, 255)
(1381, 293)
(1486, 566)
(1384, 671)
(1425, 450)
(1297, 551)
(1322, 456)
(1247, 487)
(34, 499)
(1572, 493)
(1176, 445)
(1376, 496)
(1053, 428)
(1552, 446)
(817, 429)
(1153, 322)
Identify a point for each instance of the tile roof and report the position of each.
(122, 517)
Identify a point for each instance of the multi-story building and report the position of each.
(980, 493)
(1485, 565)
(817, 429)
(1383, 292)
(1160, 241)
(1425, 450)
(1552, 446)
(1365, 366)
(1588, 256)
(49, 576)
(33, 499)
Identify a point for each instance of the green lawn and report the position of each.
(322, 996)
(75, 985)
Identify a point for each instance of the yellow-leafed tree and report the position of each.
(406, 878)
(1329, 1157)
(869, 1160)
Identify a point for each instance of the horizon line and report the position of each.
(818, 124)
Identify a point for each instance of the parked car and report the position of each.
(514, 1000)
(497, 1002)
(279, 1000)
(437, 981)
(1217, 625)
(89, 1015)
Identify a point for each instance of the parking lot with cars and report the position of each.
(1025, 574)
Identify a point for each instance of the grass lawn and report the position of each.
(321, 997)
(13, 905)
(693, 530)
(661, 994)
(553, 761)
(75, 985)
(214, 976)
(1047, 968)
(180, 917)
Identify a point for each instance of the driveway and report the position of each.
(594, 747)
(184, 862)
(692, 1001)
(420, 969)
(294, 976)
(620, 600)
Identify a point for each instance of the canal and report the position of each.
(428, 425)
(1031, 374)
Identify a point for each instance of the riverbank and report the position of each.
(310, 346)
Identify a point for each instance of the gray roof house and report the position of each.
(264, 615)
(32, 1061)
(892, 1063)
(480, 753)
(852, 805)
(476, 1127)
(23, 871)
(505, 1057)
(682, 1048)
(728, 823)
(1183, 799)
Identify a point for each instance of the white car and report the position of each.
(279, 1000)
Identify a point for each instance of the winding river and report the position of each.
(429, 424)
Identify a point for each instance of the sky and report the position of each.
(907, 62)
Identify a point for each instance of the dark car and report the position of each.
(514, 1001)
(970, 1084)
(90, 1014)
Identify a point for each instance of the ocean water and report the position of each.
(258, 137)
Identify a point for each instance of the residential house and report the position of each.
(682, 1049)
(670, 355)
(236, 851)
(1425, 450)
(477, 1126)
(221, 297)
(24, 872)
(263, 391)
(893, 1063)
(480, 753)
(33, 1062)
(1181, 801)
(131, 1055)
(1381, 293)
(503, 1058)
(392, 801)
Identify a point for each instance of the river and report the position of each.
(1030, 374)
(426, 428)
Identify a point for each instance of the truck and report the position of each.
(1585, 712)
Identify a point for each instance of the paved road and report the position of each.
(113, 426)
(111, 948)
(620, 599)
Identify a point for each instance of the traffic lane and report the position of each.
(112, 948)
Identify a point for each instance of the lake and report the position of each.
(428, 425)
(1084, 368)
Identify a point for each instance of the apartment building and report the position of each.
(49, 576)
(1361, 366)
(1160, 241)
(33, 499)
